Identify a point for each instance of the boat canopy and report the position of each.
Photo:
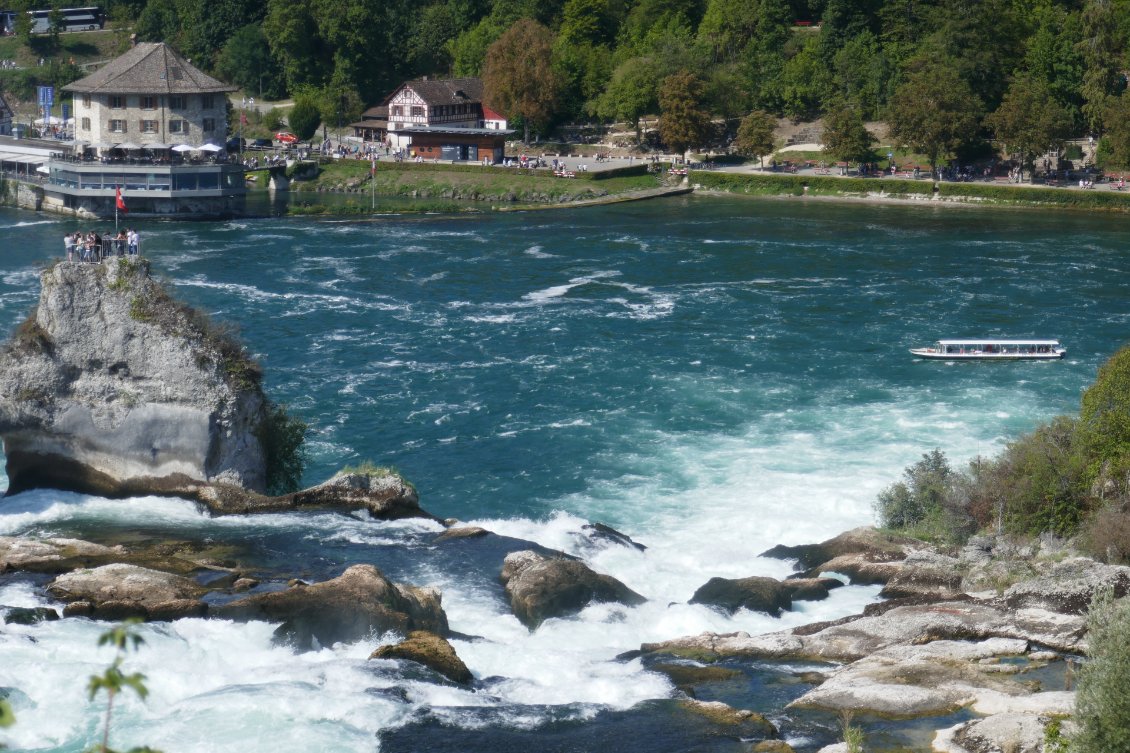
(978, 343)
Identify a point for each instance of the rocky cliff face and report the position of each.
(112, 387)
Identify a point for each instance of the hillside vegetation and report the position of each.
(946, 74)
(1069, 477)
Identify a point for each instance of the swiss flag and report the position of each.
(120, 203)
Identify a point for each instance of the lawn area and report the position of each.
(80, 46)
(468, 182)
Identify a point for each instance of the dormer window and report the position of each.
(178, 74)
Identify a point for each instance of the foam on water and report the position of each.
(709, 378)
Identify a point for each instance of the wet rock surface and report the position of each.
(430, 650)
(347, 608)
(540, 587)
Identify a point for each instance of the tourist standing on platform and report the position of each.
(69, 243)
(132, 240)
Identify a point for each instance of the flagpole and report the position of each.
(373, 183)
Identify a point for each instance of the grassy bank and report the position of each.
(469, 182)
(1102, 199)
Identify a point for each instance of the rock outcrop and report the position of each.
(541, 587)
(430, 650)
(111, 386)
(348, 608)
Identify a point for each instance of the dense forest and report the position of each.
(949, 73)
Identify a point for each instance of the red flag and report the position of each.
(120, 204)
(243, 118)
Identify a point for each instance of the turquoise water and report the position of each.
(710, 376)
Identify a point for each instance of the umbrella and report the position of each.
(42, 169)
(156, 146)
(210, 148)
(127, 146)
(183, 148)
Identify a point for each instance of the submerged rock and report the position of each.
(756, 593)
(876, 545)
(742, 722)
(348, 608)
(432, 651)
(541, 587)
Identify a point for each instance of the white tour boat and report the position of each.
(992, 350)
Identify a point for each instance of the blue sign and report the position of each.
(46, 96)
(66, 112)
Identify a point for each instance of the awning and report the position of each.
(127, 146)
(155, 146)
(24, 159)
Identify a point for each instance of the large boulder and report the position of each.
(1069, 586)
(112, 385)
(540, 587)
(756, 593)
(113, 592)
(348, 608)
(430, 650)
(925, 574)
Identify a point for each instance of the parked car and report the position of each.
(262, 144)
(236, 144)
(286, 138)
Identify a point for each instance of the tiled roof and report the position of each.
(448, 91)
(148, 68)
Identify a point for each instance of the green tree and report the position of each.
(469, 50)
(920, 500)
(805, 82)
(755, 135)
(934, 111)
(1052, 56)
(1117, 140)
(1102, 49)
(861, 73)
(55, 22)
(1104, 418)
(845, 137)
(282, 438)
(246, 62)
(305, 117)
(683, 123)
(518, 76)
(296, 46)
(1029, 121)
(1101, 709)
(631, 93)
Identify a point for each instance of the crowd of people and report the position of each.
(92, 247)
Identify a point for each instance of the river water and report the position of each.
(709, 376)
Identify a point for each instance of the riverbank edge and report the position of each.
(905, 191)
